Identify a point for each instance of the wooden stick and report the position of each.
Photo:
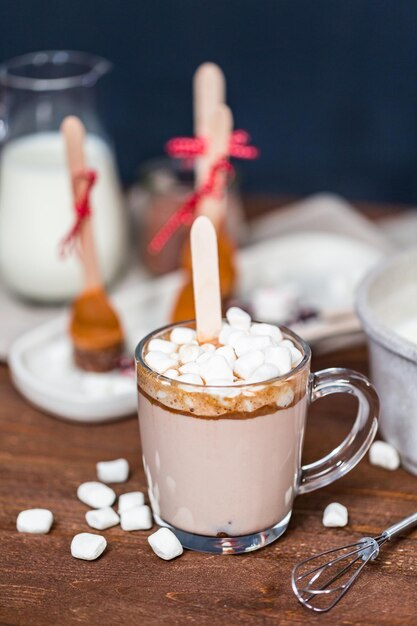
(219, 137)
(74, 134)
(209, 87)
(206, 282)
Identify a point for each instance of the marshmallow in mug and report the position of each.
(249, 352)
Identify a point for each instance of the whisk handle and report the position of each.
(401, 526)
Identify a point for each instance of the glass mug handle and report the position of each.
(343, 458)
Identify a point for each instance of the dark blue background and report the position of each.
(327, 88)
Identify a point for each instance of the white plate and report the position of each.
(40, 360)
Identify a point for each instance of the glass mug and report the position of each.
(223, 464)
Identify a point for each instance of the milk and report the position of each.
(36, 211)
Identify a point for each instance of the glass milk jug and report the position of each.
(36, 209)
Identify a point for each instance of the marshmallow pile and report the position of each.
(132, 514)
(245, 352)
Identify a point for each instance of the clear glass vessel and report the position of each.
(36, 210)
(223, 464)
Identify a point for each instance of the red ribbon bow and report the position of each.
(82, 210)
(190, 148)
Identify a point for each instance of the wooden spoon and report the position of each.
(95, 329)
(218, 136)
(205, 262)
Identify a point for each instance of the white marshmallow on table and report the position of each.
(36, 521)
(189, 352)
(245, 365)
(225, 333)
(116, 471)
(266, 329)
(162, 345)
(190, 368)
(264, 372)
(247, 344)
(130, 500)
(165, 544)
(228, 353)
(171, 373)
(208, 347)
(160, 362)
(384, 455)
(280, 356)
(335, 515)
(138, 518)
(216, 367)
(192, 379)
(100, 519)
(88, 546)
(180, 335)
(96, 494)
(238, 318)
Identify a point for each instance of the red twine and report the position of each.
(190, 148)
(82, 210)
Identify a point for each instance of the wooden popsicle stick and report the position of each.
(220, 129)
(74, 134)
(209, 91)
(206, 282)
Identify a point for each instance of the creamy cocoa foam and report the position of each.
(239, 399)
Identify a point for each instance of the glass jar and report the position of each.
(36, 208)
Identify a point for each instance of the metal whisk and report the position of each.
(312, 578)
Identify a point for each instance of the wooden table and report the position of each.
(43, 460)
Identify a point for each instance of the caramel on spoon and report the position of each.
(95, 328)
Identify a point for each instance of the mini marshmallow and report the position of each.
(130, 500)
(100, 519)
(238, 318)
(36, 521)
(335, 515)
(247, 344)
(225, 333)
(220, 382)
(280, 356)
(228, 353)
(96, 494)
(159, 361)
(235, 336)
(190, 368)
(189, 352)
(165, 544)
(113, 471)
(161, 345)
(245, 365)
(216, 367)
(296, 355)
(171, 373)
(139, 518)
(206, 356)
(384, 455)
(208, 347)
(87, 546)
(266, 329)
(193, 379)
(264, 372)
(181, 335)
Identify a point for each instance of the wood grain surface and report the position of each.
(43, 460)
